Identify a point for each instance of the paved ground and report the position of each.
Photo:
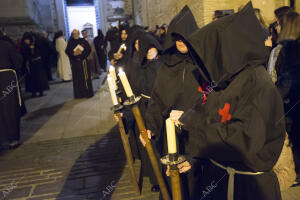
(72, 151)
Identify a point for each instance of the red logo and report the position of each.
(225, 113)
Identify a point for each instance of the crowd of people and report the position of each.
(232, 88)
(31, 62)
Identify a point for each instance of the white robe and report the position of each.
(63, 64)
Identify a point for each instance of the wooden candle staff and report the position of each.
(139, 120)
(117, 108)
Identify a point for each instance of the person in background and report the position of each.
(78, 49)
(113, 37)
(10, 96)
(288, 78)
(162, 35)
(63, 64)
(100, 46)
(47, 52)
(92, 59)
(36, 80)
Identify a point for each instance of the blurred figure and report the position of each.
(36, 80)
(78, 49)
(113, 37)
(100, 46)
(10, 97)
(92, 59)
(162, 35)
(47, 52)
(63, 64)
(288, 75)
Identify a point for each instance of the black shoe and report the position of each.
(41, 94)
(155, 188)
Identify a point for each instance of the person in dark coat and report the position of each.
(149, 51)
(100, 45)
(241, 126)
(113, 37)
(47, 52)
(288, 76)
(122, 57)
(78, 49)
(176, 87)
(10, 96)
(36, 80)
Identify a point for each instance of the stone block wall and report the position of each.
(152, 12)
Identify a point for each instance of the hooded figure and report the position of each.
(241, 126)
(149, 52)
(176, 87)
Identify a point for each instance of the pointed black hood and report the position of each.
(183, 24)
(228, 45)
(145, 42)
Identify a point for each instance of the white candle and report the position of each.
(112, 72)
(125, 83)
(112, 90)
(171, 136)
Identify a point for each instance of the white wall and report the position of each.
(80, 15)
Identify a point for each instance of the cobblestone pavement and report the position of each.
(72, 151)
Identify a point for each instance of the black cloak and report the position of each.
(242, 124)
(10, 99)
(288, 84)
(81, 72)
(176, 88)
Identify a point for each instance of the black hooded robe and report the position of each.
(82, 83)
(36, 80)
(100, 45)
(145, 76)
(242, 124)
(176, 88)
(10, 99)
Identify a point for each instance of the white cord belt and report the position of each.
(231, 172)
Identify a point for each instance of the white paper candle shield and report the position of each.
(125, 83)
(112, 90)
(171, 136)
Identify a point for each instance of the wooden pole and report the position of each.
(151, 154)
(175, 183)
(128, 154)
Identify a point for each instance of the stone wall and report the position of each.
(152, 12)
(19, 16)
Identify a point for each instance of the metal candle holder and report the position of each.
(172, 159)
(117, 108)
(132, 100)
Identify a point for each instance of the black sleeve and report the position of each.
(249, 137)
